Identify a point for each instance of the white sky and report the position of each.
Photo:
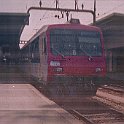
(39, 18)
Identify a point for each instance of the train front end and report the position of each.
(76, 54)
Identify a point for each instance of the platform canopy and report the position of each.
(11, 27)
(112, 19)
(113, 30)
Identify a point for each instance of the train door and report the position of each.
(35, 58)
(43, 57)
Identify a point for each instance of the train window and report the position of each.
(34, 51)
(90, 45)
(36, 46)
(25, 56)
(44, 45)
(75, 42)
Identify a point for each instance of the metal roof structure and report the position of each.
(11, 27)
(112, 19)
(113, 30)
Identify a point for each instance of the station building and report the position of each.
(11, 27)
(113, 32)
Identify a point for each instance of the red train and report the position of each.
(66, 54)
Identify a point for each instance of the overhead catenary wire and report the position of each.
(66, 11)
(45, 13)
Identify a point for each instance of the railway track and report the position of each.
(110, 114)
(90, 110)
(112, 95)
(114, 88)
(94, 111)
(108, 117)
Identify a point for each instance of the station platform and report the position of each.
(24, 104)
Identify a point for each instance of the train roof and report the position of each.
(66, 26)
(43, 29)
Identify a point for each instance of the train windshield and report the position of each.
(67, 42)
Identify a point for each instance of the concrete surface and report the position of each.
(23, 104)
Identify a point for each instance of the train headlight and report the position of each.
(98, 69)
(54, 63)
